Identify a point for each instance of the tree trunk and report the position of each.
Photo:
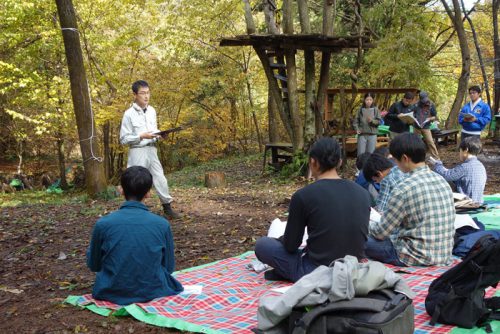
(94, 170)
(62, 162)
(456, 18)
(269, 9)
(272, 119)
(479, 54)
(324, 74)
(249, 18)
(293, 103)
(496, 64)
(291, 71)
(254, 116)
(310, 78)
(272, 106)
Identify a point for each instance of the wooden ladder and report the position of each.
(277, 63)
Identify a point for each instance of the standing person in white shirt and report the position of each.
(137, 131)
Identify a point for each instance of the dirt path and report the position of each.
(42, 247)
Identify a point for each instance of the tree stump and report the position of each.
(215, 179)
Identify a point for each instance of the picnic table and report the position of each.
(446, 136)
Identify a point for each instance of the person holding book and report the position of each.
(138, 132)
(424, 113)
(469, 176)
(132, 249)
(335, 211)
(366, 125)
(397, 126)
(417, 226)
(475, 115)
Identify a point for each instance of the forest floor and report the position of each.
(43, 239)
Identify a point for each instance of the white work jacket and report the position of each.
(135, 121)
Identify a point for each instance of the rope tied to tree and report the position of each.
(92, 134)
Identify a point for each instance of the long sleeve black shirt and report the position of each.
(336, 213)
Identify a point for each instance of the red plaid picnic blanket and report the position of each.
(229, 299)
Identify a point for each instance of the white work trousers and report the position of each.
(147, 157)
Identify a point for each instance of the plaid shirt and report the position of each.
(387, 185)
(469, 177)
(422, 208)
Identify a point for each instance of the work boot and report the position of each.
(169, 212)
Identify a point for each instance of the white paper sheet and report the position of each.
(192, 290)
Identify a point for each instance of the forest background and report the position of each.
(174, 45)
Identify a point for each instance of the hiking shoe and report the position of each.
(272, 275)
(169, 212)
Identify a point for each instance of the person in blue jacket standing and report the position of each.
(474, 115)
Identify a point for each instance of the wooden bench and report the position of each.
(351, 143)
(281, 153)
(446, 137)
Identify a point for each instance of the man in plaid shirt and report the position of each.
(469, 176)
(420, 208)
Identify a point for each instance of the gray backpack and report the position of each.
(382, 311)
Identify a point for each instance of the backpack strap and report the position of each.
(361, 304)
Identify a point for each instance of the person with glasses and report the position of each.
(138, 132)
(475, 115)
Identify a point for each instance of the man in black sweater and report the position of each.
(336, 213)
(397, 126)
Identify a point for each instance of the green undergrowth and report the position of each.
(31, 197)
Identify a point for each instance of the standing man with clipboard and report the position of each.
(138, 132)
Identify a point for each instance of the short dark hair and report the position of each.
(138, 84)
(375, 164)
(409, 144)
(475, 88)
(326, 151)
(383, 151)
(409, 95)
(472, 145)
(136, 181)
(361, 160)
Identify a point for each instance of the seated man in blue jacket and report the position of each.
(474, 115)
(132, 249)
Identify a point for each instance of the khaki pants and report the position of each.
(429, 141)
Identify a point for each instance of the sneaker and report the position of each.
(169, 212)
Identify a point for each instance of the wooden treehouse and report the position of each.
(277, 55)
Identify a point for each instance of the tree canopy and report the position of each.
(174, 46)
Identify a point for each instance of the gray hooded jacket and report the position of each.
(343, 280)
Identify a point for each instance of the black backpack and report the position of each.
(381, 311)
(457, 296)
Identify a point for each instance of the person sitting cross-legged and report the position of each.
(132, 249)
(335, 211)
(470, 175)
(420, 209)
(382, 170)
